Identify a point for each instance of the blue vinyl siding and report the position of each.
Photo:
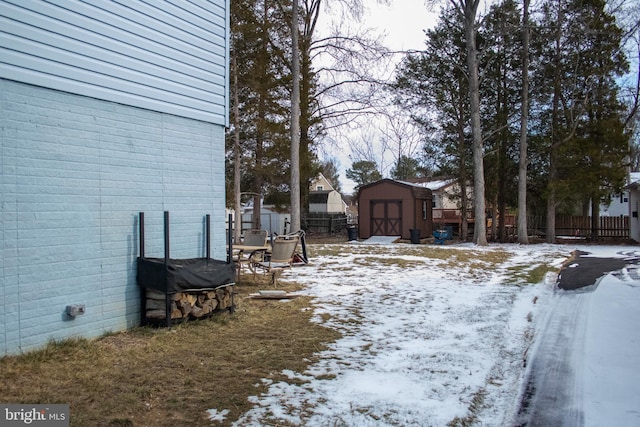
(159, 55)
(75, 173)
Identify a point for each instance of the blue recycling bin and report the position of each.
(441, 236)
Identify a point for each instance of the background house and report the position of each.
(446, 192)
(394, 208)
(108, 109)
(323, 198)
(620, 203)
(634, 206)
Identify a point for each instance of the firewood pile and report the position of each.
(186, 305)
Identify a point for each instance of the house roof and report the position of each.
(634, 180)
(436, 185)
(320, 178)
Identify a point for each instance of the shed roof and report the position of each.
(418, 190)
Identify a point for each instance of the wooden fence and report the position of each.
(609, 227)
(580, 226)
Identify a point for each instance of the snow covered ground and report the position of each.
(433, 336)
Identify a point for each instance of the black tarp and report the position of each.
(184, 274)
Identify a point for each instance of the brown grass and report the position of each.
(169, 377)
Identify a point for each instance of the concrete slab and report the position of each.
(381, 240)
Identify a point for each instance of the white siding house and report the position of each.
(634, 206)
(106, 110)
(323, 198)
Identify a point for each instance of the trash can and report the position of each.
(440, 236)
(415, 235)
(449, 230)
(352, 232)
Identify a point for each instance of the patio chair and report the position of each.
(273, 262)
(252, 239)
(255, 238)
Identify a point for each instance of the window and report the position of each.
(319, 188)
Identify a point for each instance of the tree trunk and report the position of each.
(237, 229)
(556, 137)
(462, 156)
(480, 229)
(551, 199)
(523, 237)
(295, 122)
(595, 218)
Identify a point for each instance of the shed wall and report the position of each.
(411, 208)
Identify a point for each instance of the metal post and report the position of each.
(166, 269)
(208, 233)
(143, 291)
(141, 225)
(230, 240)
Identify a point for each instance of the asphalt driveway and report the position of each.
(584, 365)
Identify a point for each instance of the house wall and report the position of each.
(106, 111)
(634, 213)
(334, 203)
(619, 206)
(153, 55)
(448, 197)
(75, 173)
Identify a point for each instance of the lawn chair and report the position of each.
(252, 239)
(276, 260)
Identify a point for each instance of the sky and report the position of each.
(431, 335)
(403, 23)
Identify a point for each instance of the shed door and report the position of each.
(386, 217)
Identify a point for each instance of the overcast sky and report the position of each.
(403, 23)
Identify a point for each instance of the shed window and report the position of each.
(319, 188)
(424, 209)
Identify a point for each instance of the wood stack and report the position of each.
(185, 305)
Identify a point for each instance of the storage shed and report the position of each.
(394, 208)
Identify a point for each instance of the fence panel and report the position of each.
(614, 227)
(325, 223)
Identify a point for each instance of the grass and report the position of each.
(531, 274)
(167, 377)
(475, 406)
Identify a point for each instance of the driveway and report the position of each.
(584, 368)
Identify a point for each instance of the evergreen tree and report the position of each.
(259, 115)
(500, 65)
(363, 172)
(433, 85)
(580, 116)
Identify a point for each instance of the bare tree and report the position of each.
(400, 136)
